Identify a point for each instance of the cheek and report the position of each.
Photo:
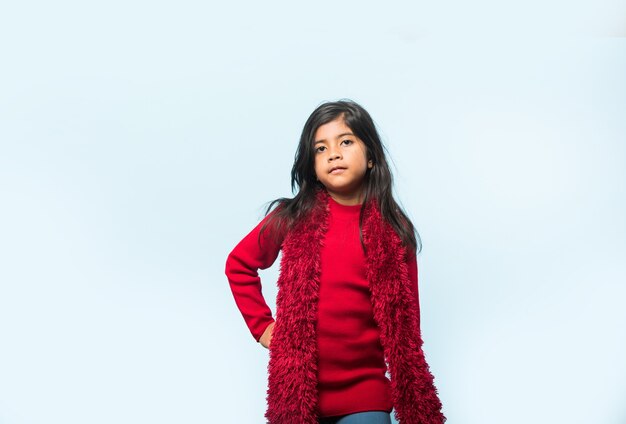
(363, 160)
(363, 154)
(317, 166)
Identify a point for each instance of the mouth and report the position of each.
(336, 170)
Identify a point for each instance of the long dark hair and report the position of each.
(378, 180)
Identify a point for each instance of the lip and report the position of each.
(336, 170)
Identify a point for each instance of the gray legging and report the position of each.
(368, 417)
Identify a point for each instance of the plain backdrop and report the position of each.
(139, 142)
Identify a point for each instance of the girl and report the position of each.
(347, 309)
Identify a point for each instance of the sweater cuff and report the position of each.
(263, 326)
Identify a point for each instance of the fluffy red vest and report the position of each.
(292, 383)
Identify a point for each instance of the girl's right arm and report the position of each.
(251, 254)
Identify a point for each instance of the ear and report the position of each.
(370, 164)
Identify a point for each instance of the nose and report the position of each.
(333, 154)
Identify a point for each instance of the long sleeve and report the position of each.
(242, 265)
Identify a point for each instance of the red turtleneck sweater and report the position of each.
(351, 368)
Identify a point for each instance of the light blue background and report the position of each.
(140, 140)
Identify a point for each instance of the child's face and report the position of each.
(340, 161)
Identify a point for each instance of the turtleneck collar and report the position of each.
(337, 208)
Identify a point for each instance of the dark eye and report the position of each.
(347, 142)
(320, 149)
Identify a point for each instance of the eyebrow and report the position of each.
(339, 136)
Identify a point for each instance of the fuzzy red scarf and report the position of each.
(292, 383)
